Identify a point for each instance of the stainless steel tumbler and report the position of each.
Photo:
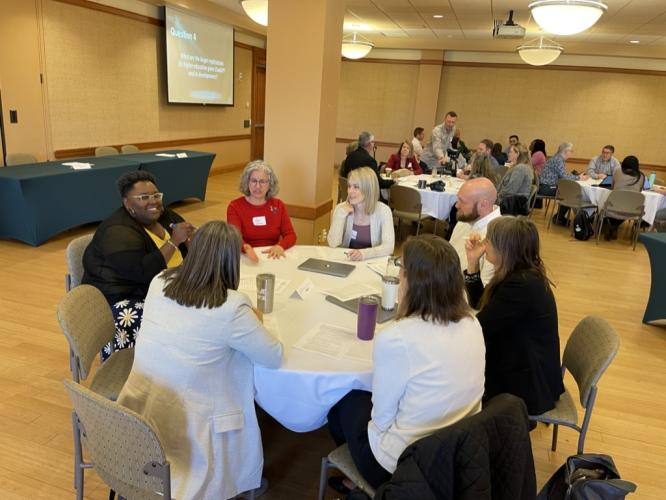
(265, 289)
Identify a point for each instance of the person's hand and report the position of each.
(354, 255)
(260, 315)
(347, 207)
(442, 160)
(274, 252)
(601, 177)
(251, 254)
(460, 174)
(181, 232)
(474, 248)
(583, 177)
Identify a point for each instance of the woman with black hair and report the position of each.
(626, 178)
(538, 154)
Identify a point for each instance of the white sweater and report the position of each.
(426, 376)
(382, 234)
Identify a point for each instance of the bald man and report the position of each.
(476, 208)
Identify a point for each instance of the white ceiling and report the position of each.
(467, 25)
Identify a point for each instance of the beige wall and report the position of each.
(589, 109)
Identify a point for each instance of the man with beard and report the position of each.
(476, 208)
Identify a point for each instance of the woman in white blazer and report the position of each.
(428, 366)
(362, 223)
(193, 378)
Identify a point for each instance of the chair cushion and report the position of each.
(342, 460)
(564, 413)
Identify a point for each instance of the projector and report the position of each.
(508, 29)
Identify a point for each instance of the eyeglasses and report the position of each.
(261, 182)
(148, 197)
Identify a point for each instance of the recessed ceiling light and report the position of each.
(438, 16)
(634, 41)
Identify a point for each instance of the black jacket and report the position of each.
(522, 342)
(486, 456)
(122, 259)
(361, 158)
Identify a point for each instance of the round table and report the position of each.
(437, 204)
(301, 392)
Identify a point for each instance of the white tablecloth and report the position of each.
(597, 195)
(301, 392)
(435, 203)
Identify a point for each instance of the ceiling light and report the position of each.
(634, 41)
(356, 47)
(566, 17)
(438, 16)
(540, 52)
(257, 10)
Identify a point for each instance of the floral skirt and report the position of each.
(127, 316)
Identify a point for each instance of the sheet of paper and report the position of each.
(353, 290)
(378, 266)
(181, 155)
(335, 342)
(304, 289)
(166, 155)
(79, 165)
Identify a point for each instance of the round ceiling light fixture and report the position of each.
(257, 10)
(540, 52)
(567, 17)
(356, 47)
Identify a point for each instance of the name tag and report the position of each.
(259, 221)
(353, 234)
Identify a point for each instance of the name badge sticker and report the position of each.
(353, 234)
(259, 221)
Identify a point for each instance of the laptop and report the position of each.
(327, 267)
(352, 305)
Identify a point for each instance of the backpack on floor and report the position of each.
(583, 229)
(587, 476)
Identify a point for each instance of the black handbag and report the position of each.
(587, 476)
(437, 186)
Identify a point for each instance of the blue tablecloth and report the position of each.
(40, 200)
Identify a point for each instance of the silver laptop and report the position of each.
(352, 305)
(327, 267)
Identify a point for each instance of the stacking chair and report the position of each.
(74, 255)
(20, 159)
(544, 197)
(406, 204)
(532, 199)
(342, 189)
(341, 459)
(589, 351)
(627, 205)
(129, 148)
(87, 322)
(106, 151)
(570, 194)
(124, 447)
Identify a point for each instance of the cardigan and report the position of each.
(517, 181)
(410, 164)
(122, 258)
(426, 376)
(193, 381)
(522, 341)
(382, 234)
(262, 225)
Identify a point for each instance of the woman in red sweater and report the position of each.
(404, 160)
(261, 218)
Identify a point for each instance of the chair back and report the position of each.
(531, 201)
(106, 151)
(74, 256)
(20, 159)
(125, 450)
(589, 351)
(87, 322)
(629, 203)
(129, 148)
(342, 189)
(569, 191)
(405, 200)
(500, 172)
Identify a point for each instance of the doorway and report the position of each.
(258, 102)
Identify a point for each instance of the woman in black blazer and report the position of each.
(518, 314)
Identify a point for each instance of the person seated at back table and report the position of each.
(404, 162)
(193, 371)
(497, 153)
(363, 157)
(538, 155)
(261, 218)
(626, 178)
(518, 314)
(129, 248)
(604, 164)
(553, 170)
(518, 180)
(427, 366)
(481, 166)
(362, 223)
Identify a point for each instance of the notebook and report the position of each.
(327, 267)
(352, 305)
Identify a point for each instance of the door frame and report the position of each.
(258, 62)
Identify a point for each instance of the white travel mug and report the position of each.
(390, 285)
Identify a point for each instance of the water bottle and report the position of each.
(652, 178)
(322, 239)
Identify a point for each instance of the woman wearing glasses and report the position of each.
(130, 248)
(261, 218)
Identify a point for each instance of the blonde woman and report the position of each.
(362, 223)
(519, 178)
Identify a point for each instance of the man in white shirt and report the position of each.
(434, 152)
(417, 142)
(476, 208)
(604, 164)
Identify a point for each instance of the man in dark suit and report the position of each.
(362, 157)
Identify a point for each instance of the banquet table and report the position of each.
(437, 204)
(653, 201)
(301, 392)
(40, 200)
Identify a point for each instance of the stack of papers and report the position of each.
(335, 342)
(166, 155)
(352, 291)
(76, 165)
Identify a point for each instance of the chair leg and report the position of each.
(550, 218)
(399, 229)
(78, 458)
(546, 203)
(418, 227)
(323, 475)
(554, 444)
